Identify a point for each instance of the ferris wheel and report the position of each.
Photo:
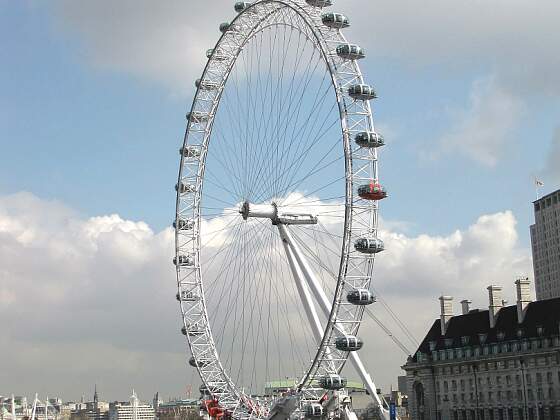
(276, 222)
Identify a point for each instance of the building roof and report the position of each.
(476, 326)
(544, 197)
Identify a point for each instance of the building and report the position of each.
(545, 241)
(402, 385)
(131, 410)
(94, 410)
(502, 363)
(188, 409)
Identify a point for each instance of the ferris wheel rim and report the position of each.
(302, 10)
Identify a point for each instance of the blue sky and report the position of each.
(103, 140)
(92, 105)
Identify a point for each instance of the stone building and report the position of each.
(497, 364)
(545, 243)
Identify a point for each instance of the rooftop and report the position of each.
(542, 319)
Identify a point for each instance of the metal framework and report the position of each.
(337, 316)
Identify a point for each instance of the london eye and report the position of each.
(276, 226)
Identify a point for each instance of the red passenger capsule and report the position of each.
(372, 191)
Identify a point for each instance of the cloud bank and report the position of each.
(87, 300)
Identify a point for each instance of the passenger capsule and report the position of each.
(226, 26)
(216, 55)
(362, 92)
(372, 191)
(206, 84)
(183, 224)
(192, 330)
(183, 188)
(369, 245)
(350, 52)
(369, 139)
(335, 20)
(187, 296)
(200, 363)
(197, 117)
(189, 151)
(332, 382)
(349, 343)
(203, 390)
(319, 3)
(241, 5)
(313, 410)
(183, 261)
(360, 297)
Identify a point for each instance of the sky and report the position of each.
(92, 109)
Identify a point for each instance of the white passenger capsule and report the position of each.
(183, 224)
(319, 3)
(335, 20)
(369, 245)
(241, 5)
(350, 52)
(360, 297)
(349, 343)
(186, 296)
(200, 363)
(217, 55)
(183, 261)
(194, 330)
(206, 84)
(189, 151)
(362, 92)
(197, 117)
(332, 382)
(369, 139)
(226, 26)
(183, 188)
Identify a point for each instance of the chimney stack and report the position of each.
(495, 303)
(446, 304)
(523, 297)
(466, 306)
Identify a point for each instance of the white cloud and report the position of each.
(483, 131)
(92, 300)
(515, 38)
(162, 43)
(166, 44)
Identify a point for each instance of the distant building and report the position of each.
(497, 364)
(178, 410)
(402, 385)
(132, 410)
(93, 410)
(545, 241)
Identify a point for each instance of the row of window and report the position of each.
(486, 350)
(489, 381)
(539, 395)
(547, 202)
(518, 413)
